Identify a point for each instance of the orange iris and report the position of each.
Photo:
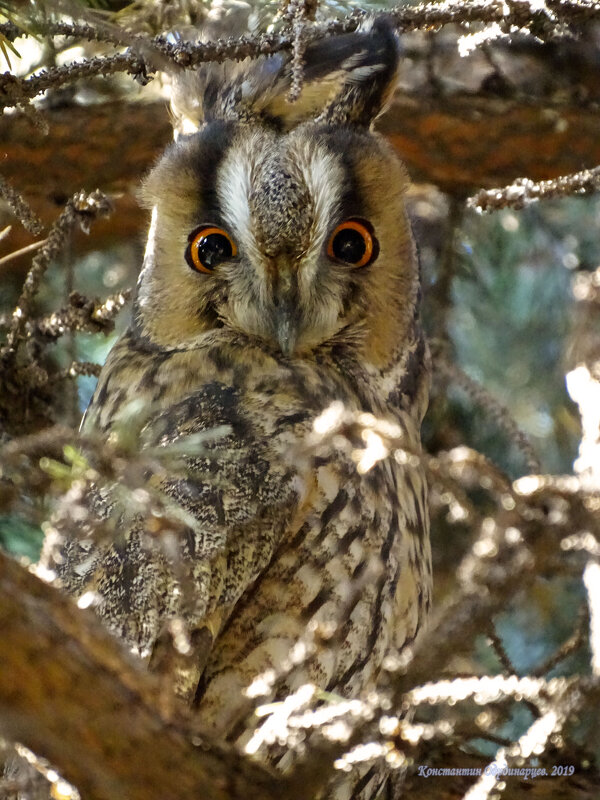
(208, 246)
(353, 243)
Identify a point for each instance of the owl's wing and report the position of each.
(177, 575)
(247, 492)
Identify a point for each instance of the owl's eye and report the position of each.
(353, 243)
(208, 246)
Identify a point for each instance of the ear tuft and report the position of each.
(347, 79)
(370, 76)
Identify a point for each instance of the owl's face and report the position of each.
(297, 239)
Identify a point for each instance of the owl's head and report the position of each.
(284, 222)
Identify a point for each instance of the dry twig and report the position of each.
(495, 410)
(21, 209)
(81, 209)
(525, 191)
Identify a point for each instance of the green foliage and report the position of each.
(512, 323)
(510, 320)
(63, 473)
(19, 537)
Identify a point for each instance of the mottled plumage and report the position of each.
(281, 529)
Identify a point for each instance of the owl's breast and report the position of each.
(341, 555)
(143, 382)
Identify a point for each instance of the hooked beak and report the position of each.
(286, 315)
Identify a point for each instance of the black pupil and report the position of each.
(349, 246)
(213, 249)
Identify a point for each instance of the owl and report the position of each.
(279, 284)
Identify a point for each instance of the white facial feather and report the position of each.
(245, 167)
(234, 185)
(145, 287)
(323, 176)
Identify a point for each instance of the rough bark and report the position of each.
(462, 143)
(458, 143)
(108, 146)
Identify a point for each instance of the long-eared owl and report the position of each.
(279, 285)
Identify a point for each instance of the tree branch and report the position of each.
(524, 191)
(93, 712)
